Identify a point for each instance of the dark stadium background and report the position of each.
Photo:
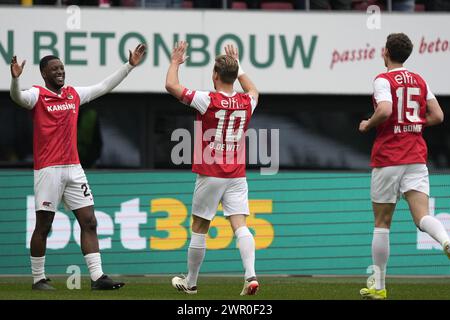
(134, 131)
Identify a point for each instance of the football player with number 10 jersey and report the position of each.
(222, 118)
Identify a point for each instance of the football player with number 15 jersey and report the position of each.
(404, 106)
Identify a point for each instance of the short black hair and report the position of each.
(44, 61)
(399, 47)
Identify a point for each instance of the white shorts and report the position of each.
(389, 183)
(209, 191)
(66, 183)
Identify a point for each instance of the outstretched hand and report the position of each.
(232, 51)
(16, 69)
(179, 52)
(137, 55)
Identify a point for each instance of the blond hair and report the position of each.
(227, 68)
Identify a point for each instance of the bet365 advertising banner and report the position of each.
(283, 52)
(303, 223)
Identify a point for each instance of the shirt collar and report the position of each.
(227, 94)
(397, 69)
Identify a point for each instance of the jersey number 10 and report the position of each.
(231, 134)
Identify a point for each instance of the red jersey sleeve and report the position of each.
(187, 96)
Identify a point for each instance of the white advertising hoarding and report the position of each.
(283, 52)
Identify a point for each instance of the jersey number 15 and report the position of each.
(409, 108)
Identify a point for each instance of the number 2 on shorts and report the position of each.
(85, 189)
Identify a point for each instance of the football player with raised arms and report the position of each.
(222, 118)
(404, 106)
(58, 175)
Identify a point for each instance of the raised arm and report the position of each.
(26, 99)
(247, 85)
(173, 85)
(90, 93)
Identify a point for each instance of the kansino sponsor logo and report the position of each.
(61, 107)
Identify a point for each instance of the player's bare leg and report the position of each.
(419, 205)
(246, 244)
(200, 225)
(196, 254)
(38, 246)
(90, 248)
(383, 213)
(88, 225)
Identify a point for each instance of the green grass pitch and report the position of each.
(228, 288)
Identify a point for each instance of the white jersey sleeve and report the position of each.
(24, 98)
(201, 101)
(84, 93)
(88, 94)
(382, 90)
(198, 100)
